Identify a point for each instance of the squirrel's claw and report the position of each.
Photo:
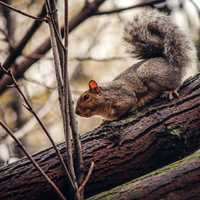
(173, 94)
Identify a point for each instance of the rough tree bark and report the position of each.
(160, 133)
(178, 181)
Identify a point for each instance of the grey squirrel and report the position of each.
(166, 55)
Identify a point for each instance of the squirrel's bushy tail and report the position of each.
(153, 34)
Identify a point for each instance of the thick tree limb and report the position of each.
(178, 181)
(157, 135)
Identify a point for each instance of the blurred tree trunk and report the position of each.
(147, 139)
(15, 103)
(178, 181)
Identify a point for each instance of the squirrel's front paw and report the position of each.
(173, 94)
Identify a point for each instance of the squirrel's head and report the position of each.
(91, 101)
(108, 102)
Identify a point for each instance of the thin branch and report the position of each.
(112, 11)
(90, 47)
(55, 188)
(61, 67)
(23, 13)
(60, 83)
(51, 20)
(54, 38)
(87, 177)
(76, 165)
(89, 58)
(28, 126)
(56, 29)
(66, 115)
(29, 107)
(60, 61)
(79, 165)
(39, 83)
(10, 26)
(23, 42)
(42, 49)
(115, 6)
(6, 38)
(57, 63)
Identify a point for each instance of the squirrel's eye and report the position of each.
(86, 97)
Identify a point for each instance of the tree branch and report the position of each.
(78, 162)
(146, 139)
(93, 59)
(112, 11)
(60, 52)
(31, 110)
(21, 12)
(180, 180)
(10, 60)
(55, 188)
(25, 63)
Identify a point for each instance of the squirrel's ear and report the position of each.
(93, 86)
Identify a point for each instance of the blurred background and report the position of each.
(96, 51)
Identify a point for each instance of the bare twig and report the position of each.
(25, 63)
(10, 26)
(61, 67)
(23, 42)
(90, 46)
(7, 38)
(56, 189)
(5, 34)
(51, 14)
(60, 61)
(29, 108)
(54, 46)
(23, 13)
(87, 177)
(115, 6)
(39, 83)
(77, 167)
(56, 53)
(28, 126)
(112, 11)
(65, 102)
(89, 58)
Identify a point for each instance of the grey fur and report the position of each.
(166, 53)
(153, 34)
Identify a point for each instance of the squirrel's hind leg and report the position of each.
(160, 77)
